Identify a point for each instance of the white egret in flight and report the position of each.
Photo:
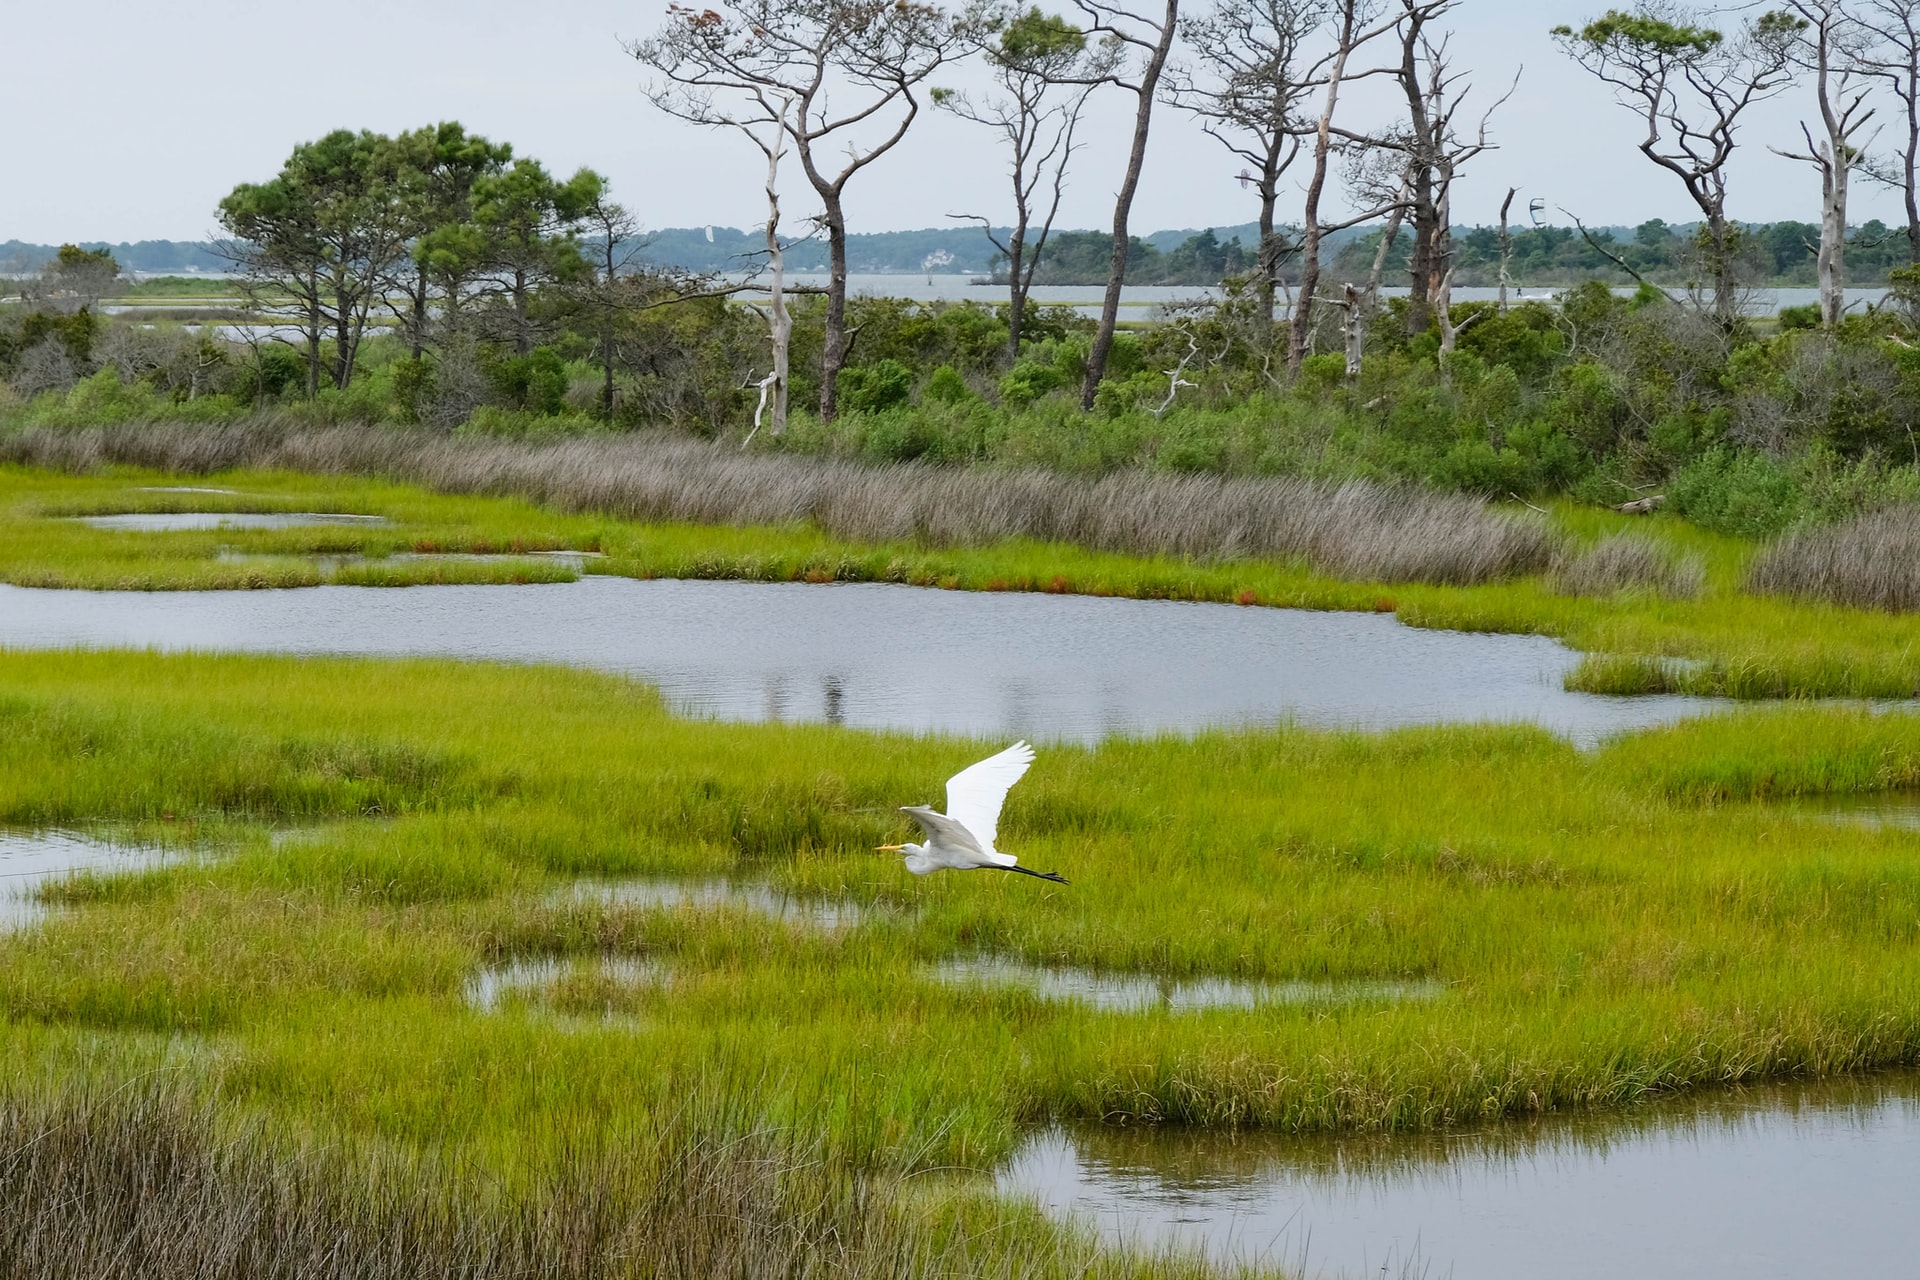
(961, 839)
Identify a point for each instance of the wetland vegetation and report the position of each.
(1658, 605)
(284, 1019)
(1591, 928)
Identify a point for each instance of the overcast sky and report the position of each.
(131, 118)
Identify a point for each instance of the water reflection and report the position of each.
(31, 858)
(1137, 993)
(170, 521)
(1797, 1180)
(545, 978)
(1897, 811)
(760, 899)
(1038, 666)
(327, 563)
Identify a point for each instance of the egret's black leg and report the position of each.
(1039, 875)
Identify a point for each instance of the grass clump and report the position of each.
(1625, 562)
(1871, 561)
(150, 1184)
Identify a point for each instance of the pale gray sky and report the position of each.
(131, 118)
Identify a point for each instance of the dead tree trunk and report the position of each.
(1146, 89)
(1823, 50)
(773, 391)
(1506, 249)
(1362, 304)
(1349, 37)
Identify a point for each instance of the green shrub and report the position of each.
(870, 388)
(535, 383)
(1027, 381)
(946, 386)
(1739, 492)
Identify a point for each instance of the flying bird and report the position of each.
(961, 839)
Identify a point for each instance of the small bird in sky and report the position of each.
(961, 839)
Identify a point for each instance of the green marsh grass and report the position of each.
(1603, 925)
(1600, 927)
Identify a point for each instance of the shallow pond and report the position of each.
(890, 657)
(170, 521)
(1885, 811)
(759, 899)
(1138, 993)
(534, 977)
(30, 858)
(1794, 1181)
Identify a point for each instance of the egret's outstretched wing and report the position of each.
(976, 793)
(949, 841)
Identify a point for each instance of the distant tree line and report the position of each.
(497, 276)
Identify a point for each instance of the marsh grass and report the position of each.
(1870, 562)
(1625, 562)
(142, 1183)
(1589, 929)
(1724, 642)
(1356, 530)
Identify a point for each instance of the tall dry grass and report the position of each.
(145, 1185)
(1871, 561)
(1352, 530)
(1624, 562)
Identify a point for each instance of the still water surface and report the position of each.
(1757, 1184)
(1143, 993)
(890, 657)
(29, 858)
(170, 521)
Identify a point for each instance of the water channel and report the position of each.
(1797, 1180)
(1051, 668)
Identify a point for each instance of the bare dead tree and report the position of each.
(1247, 86)
(1829, 49)
(1045, 72)
(837, 66)
(760, 117)
(1152, 40)
(1690, 84)
(1360, 305)
(1506, 248)
(1354, 26)
(773, 388)
(1435, 152)
(1893, 55)
(1423, 83)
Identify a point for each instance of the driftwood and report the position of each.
(1643, 506)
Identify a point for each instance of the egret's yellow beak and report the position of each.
(888, 848)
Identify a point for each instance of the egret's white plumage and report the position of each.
(961, 839)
